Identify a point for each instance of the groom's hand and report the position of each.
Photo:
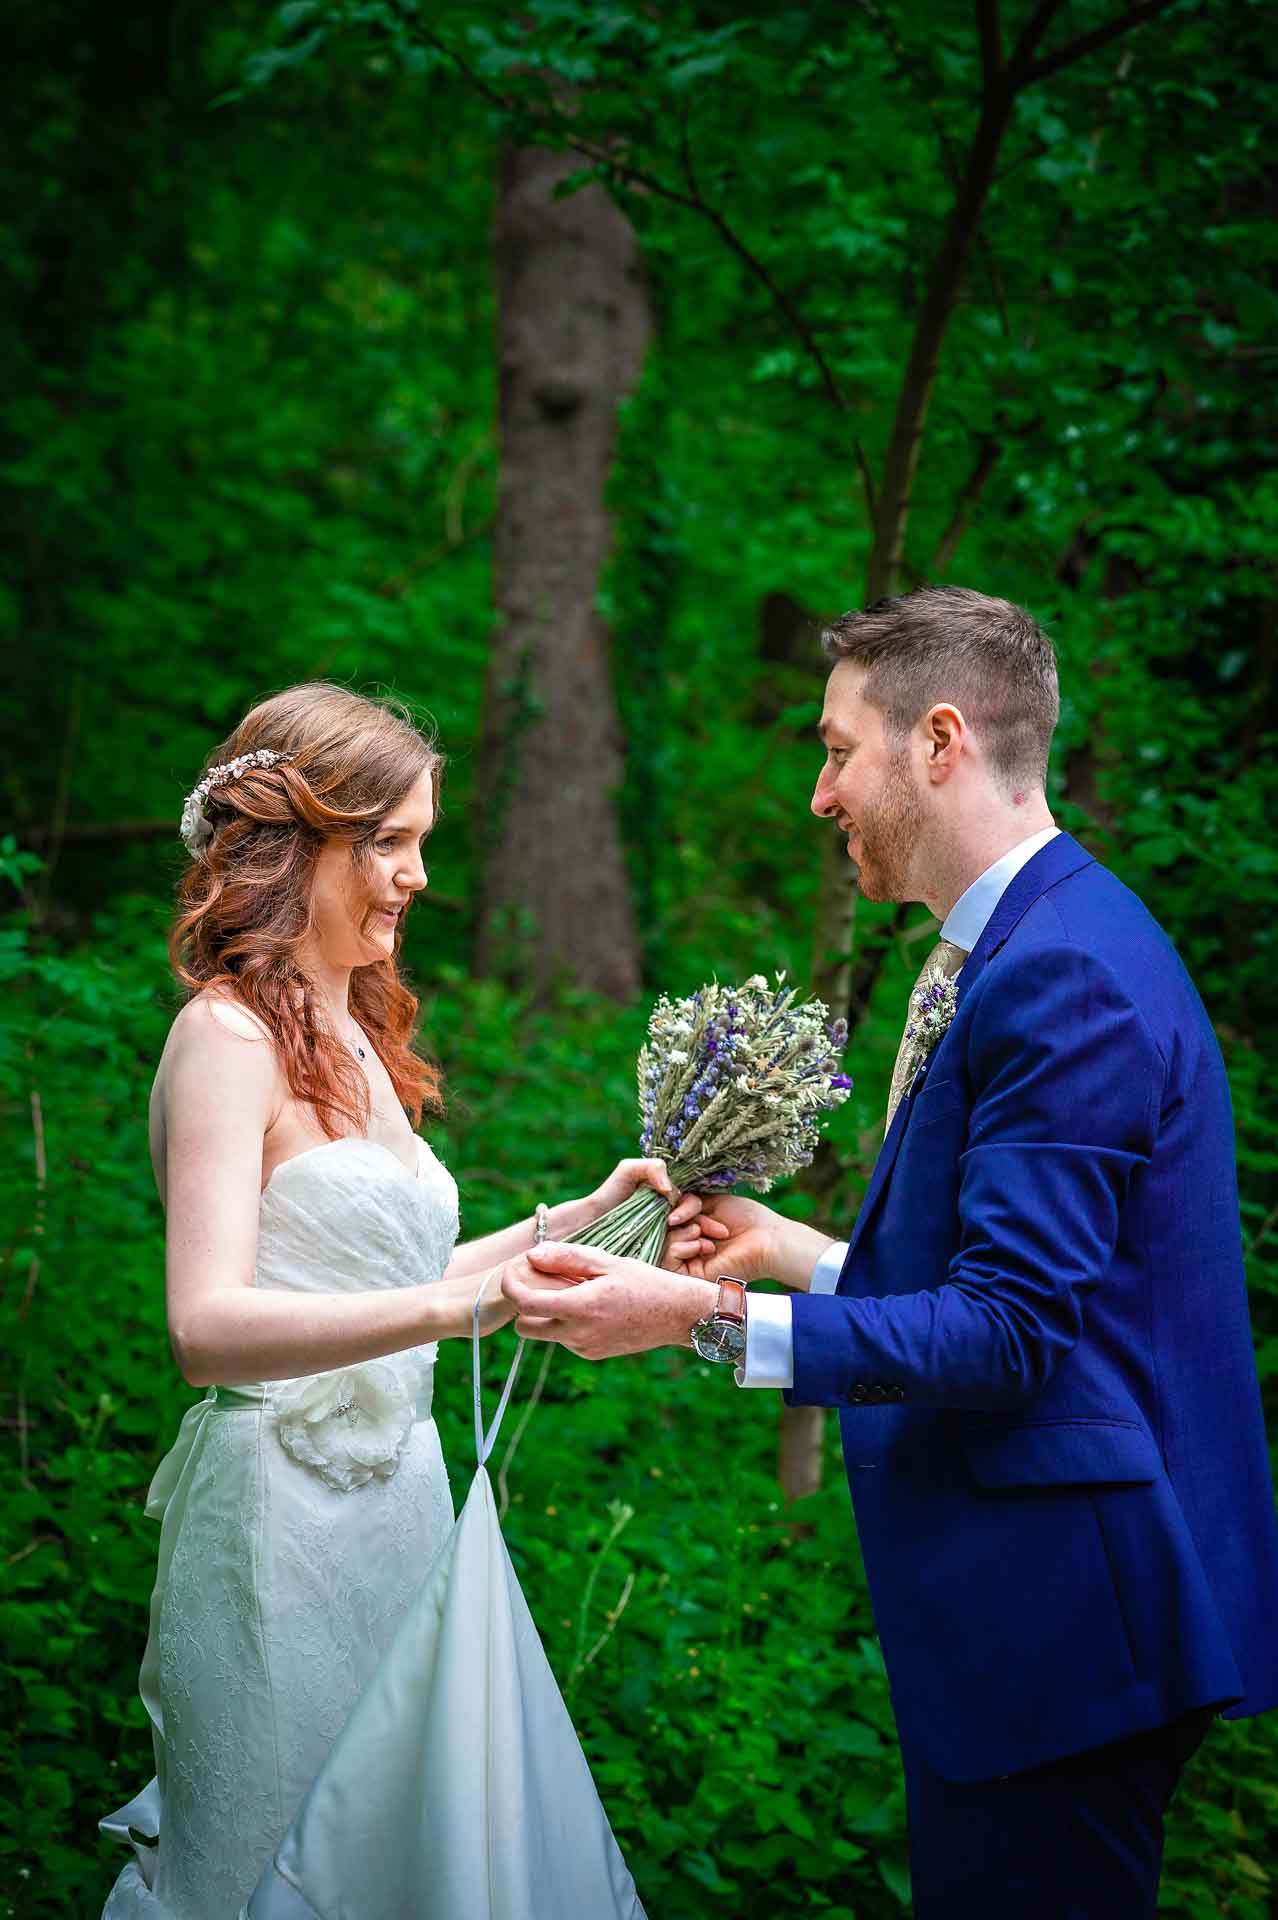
(754, 1243)
(599, 1306)
(745, 1235)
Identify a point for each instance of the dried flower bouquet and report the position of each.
(732, 1084)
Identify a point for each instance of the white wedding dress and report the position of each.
(352, 1715)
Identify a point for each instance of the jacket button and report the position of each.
(857, 1395)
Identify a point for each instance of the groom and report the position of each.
(1037, 1337)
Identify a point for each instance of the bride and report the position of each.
(310, 1271)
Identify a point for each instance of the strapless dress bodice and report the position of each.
(349, 1217)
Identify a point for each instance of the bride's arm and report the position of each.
(570, 1216)
(223, 1089)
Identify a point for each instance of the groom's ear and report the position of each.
(947, 734)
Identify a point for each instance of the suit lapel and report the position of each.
(882, 1168)
(1050, 865)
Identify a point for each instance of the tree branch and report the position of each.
(927, 93)
(991, 42)
(989, 451)
(41, 1182)
(695, 199)
(1089, 42)
(1032, 32)
(559, 127)
(397, 585)
(944, 279)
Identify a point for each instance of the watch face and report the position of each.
(720, 1340)
(732, 1342)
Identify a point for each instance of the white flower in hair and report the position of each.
(196, 828)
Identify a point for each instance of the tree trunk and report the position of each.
(803, 1428)
(801, 1452)
(573, 324)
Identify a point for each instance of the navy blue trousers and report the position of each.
(1077, 1839)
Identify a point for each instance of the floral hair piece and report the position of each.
(196, 828)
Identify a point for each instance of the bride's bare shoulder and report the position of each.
(217, 1028)
(215, 1043)
(218, 1073)
(209, 1015)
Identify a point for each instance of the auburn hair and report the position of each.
(244, 905)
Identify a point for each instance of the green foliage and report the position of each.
(83, 1328)
(254, 441)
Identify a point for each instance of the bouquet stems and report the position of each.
(635, 1230)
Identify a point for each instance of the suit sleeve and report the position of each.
(1066, 1082)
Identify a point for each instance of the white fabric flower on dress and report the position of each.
(350, 1424)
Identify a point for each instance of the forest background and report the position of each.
(559, 368)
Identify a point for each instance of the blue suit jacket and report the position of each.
(1042, 1357)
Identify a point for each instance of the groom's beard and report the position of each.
(890, 833)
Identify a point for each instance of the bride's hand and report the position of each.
(496, 1311)
(621, 1183)
(685, 1241)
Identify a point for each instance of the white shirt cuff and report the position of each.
(825, 1274)
(769, 1354)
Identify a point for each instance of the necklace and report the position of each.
(357, 1047)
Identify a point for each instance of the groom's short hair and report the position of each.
(990, 658)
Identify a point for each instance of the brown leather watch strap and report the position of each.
(731, 1304)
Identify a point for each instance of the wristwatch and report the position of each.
(722, 1334)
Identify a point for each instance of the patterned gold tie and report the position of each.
(949, 959)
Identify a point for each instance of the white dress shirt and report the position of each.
(769, 1354)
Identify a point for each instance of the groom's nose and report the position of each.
(822, 801)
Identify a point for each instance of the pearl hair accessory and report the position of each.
(196, 828)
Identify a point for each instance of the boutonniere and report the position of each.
(932, 1007)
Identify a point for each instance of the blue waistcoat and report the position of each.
(1042, 1357)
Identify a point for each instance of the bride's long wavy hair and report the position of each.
(244, 905)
